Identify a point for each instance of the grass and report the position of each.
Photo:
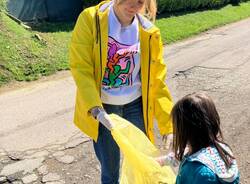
(28, 55)
(178, 27)
(25, 57)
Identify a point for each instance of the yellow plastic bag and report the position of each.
(139, 165)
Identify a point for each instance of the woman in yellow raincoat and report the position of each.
(116, 59)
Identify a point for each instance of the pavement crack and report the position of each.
(212, 68)
(242, 64)
(186, 72)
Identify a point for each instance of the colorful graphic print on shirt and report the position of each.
(120, 64)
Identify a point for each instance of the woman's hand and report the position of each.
(168, 142)
(104, 119)
(100, 114)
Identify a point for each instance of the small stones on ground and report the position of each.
(27, 166)
(17, 182)
(56, 182)
(50, 177)
(74, 143)
(12, 178)
(5, 159)
(16, 156)
(30, 152)
(3, 179)
(38, 37)
(98, 168)
(88, 176)
(36, 166)
(66, 159)
(43, 170)
(29, 178)
(61, 148)
(2, 152)
(59, 153)
(38, 154)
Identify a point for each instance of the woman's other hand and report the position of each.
(168, 142)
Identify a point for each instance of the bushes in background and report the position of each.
(87, 3)
(180, 5)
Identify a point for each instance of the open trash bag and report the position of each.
(139, 165)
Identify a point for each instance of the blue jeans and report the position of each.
(106, 149)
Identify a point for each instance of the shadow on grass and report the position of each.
(47, 27)
(190, 11)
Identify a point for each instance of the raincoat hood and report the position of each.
(210, 157)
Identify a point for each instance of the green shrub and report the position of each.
(182, 5)
(179, 5)
(87, 3)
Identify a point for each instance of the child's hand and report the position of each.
(161, 160)
(172, 160)
(168, 159)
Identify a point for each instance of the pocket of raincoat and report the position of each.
(139, 165)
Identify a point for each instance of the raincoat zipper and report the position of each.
(99, 39)
(149, 58)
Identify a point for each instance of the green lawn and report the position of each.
(24, 57)
(174, 28)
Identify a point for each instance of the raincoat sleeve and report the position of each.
(163, 100)
(82, 63)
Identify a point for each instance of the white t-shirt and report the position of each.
(121, 82)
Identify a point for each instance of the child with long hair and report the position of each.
(198, 143)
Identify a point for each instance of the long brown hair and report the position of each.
(149, 9)
(196, 124)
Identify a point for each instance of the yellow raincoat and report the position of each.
(88, 57)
